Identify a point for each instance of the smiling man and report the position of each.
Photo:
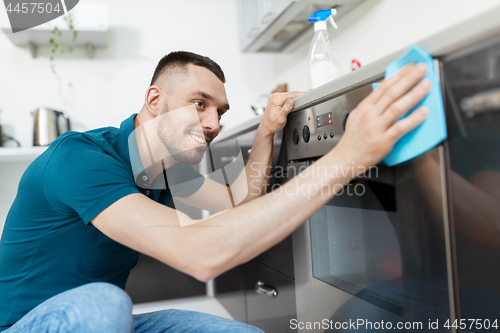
(82, 215)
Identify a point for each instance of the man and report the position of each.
(79, 220)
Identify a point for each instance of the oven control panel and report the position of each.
(315, 131)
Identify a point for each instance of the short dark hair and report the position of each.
(182, 59)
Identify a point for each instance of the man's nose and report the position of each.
(210, 121)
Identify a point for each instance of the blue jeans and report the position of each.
(105, 308)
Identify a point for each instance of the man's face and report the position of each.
(187, 133)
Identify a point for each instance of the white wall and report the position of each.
(377, 28)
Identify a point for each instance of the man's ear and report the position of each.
(153, 100)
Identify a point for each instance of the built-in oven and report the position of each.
(377, 256)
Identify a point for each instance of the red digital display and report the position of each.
(324, 119)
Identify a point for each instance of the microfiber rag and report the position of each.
(433, 130)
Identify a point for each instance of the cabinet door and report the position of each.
(279, 257)
(230, 292)
(152, 281)
(250, 27)
(270, 298)
(271, 9)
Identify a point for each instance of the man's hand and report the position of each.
(278, 107)
(373, 127)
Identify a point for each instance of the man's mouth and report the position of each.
(199, 140)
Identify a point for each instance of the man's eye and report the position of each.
(220, 113)
(200, 104)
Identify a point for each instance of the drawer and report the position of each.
(272, 314)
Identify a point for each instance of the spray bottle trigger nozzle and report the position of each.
(333, 22)
(330, 18)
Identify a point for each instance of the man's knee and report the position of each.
(91, 308)
(192, 321)
(103, 307)
(107, 294)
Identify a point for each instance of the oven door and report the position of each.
(377, 255)
(472, 81)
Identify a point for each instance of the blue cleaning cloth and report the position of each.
(433, 130)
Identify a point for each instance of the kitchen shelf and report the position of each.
(40, 36)
(16, 155)
(90, 21)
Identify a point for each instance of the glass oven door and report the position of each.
(472, 81)
(378, 254)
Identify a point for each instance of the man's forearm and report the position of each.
(247, 230)
(258, 167)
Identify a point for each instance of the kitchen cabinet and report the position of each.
(229, 288)
(242, 290)
(270, 298)
(247, 291)
(281, 25)
(151, 281)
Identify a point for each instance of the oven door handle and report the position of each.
(265, 289)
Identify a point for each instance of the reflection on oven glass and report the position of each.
(473, 102)
(356, 248)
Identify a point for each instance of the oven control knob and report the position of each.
(319, 137)
(306, 134)
(344, 121)
(295, 136)
(325, 136)
(331, 135)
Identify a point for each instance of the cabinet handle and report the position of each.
(265, 289)
(267, 17)
(253, 32)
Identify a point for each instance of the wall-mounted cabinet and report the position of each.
(281, 25)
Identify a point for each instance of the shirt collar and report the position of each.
(126, 128)
(130, 154)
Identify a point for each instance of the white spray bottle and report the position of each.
(323, 67)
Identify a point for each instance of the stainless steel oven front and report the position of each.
(377, 255)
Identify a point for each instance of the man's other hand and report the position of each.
(278, 107)
(374, 126)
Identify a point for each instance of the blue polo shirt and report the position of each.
(48, 244)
